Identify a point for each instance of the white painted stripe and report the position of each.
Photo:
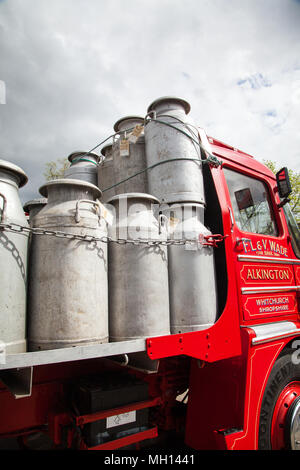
(273, 331)
(269, 259)
(268, 290)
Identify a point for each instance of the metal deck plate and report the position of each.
(77, 353)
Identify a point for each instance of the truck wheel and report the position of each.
(279, 425)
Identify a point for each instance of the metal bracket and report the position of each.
(211, 240)
(18, 381)
(283, 202)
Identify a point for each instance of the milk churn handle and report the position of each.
(4, 207)
(151, 114)
(162, 220)
(87, 201)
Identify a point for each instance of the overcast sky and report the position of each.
(69, 69)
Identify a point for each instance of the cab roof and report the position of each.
(236, 156)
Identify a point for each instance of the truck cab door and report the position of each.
(265, 277)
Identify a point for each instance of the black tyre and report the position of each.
(281, 401)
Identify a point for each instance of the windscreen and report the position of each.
(293, 229)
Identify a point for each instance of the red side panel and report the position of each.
(225, 398)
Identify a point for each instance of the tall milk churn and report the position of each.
(13, 260)
(129, 156)
(192, 279)
(33, 207)
(138, 273)
(68, 293)
(173, 152)
(106, 176)
(83, 166)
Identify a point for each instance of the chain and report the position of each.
(10, 246)
(16, 228)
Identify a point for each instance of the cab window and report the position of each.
(251, 204)
(293, 229)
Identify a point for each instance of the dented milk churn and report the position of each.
(138, 273)
(192, 280)
(68, 294)
(173, 152)
(83, 166)
(13, 261)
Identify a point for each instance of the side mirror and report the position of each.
(283, 183)
(284, 186)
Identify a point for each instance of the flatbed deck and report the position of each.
(75, 353)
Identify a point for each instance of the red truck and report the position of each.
(234, 385)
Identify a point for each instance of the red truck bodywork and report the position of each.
(230, 363)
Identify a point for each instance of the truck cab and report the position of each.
(260, 304)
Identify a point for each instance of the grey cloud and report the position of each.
(72, 68)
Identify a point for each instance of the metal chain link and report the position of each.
(13, 227)
(9, 245)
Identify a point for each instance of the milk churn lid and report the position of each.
(81, 153)
(137, 119)
(35, 202)
(69, 182)
(133, 196)
(106, 147)
(184, 103)
(16, 170)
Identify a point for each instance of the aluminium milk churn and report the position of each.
(106, 177)
(138, 273)
(83, 166)
(129, 156)
(13, 260)
(172, 146)
(33, 207)
(192, 277)
(68, 295)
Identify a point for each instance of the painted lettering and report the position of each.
(270, 247)
(258, 276)
(245, 243)
(267, 274)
